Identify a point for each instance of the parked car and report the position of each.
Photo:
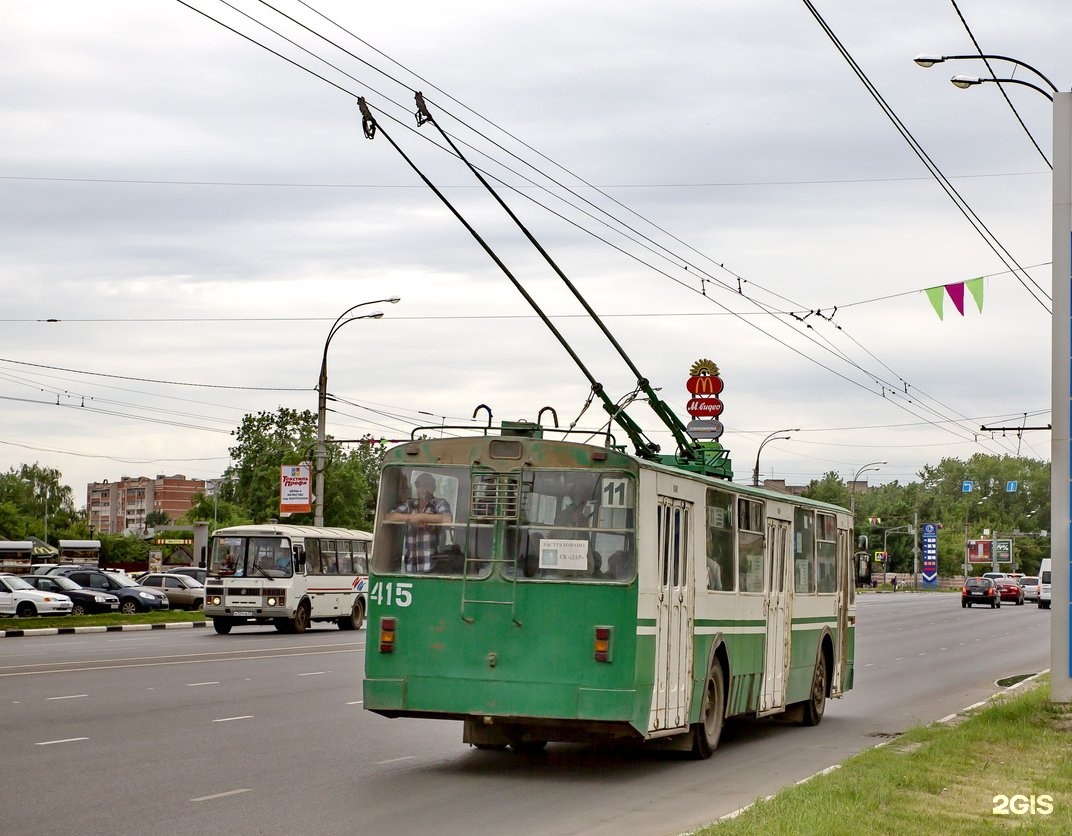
(1010, 590)
(195, 572)
(1044, 584)
(183, 592)
(979, 591)
(1030, 583)
(132, 597)
(83, 600)
(18, 598)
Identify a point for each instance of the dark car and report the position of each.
(980, 591)
(1009, 589)
(195, 572)
(84, 600)
(183, 592)
(132, 597)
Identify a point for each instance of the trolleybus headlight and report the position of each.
(602, 644)
(387, 635)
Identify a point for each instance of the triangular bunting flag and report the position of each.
(975, 288)
(956, 293)
(936, 295)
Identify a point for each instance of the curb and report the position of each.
(111, 628)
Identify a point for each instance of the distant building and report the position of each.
(123, 505)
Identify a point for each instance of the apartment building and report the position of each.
(123, 505)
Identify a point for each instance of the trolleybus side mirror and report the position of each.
(204, 559)
(299, 557)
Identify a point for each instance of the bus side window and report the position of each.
(346, 559)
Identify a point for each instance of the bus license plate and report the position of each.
(246, 613)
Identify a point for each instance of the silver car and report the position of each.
(1030, 583)
(182, 591)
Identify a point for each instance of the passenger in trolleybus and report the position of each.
(422, 515)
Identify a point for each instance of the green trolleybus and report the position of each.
(542, 589)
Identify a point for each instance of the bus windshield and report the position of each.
(537, 524)
(258, 557)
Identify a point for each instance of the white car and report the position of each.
(19, 599)
(1030, 583)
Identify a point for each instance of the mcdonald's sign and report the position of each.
(704, 384)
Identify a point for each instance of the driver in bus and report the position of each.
(422, 517)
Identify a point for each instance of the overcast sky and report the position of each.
(194, 212)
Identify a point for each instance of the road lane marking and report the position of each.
(199, 684)
(313, 673)
(229, 719)
(220, 795)
(68, 697)
(356, 702)
(65, 740)
(396, 760)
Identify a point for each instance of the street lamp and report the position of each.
(772, 437)
(852, 488)
(966, 81)
(322, 400)
(1060, 380)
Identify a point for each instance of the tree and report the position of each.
(155, 518)
(830, 488)
(266, 441)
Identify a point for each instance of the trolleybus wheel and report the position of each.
(301, 618)
(815, 705)
(356, 617)
(705, 734)
(221, 626)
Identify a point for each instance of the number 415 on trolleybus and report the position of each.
(542, 590)
(287, 575)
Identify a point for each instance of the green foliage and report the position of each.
(830, 488)
(123, 548)
(156, 518)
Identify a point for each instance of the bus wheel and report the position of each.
(301, 618)
(815, 705)
(705, 734)
(221, 626)
(356, 617)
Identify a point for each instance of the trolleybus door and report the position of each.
(846, 579)
(673, 620)
(779, 614)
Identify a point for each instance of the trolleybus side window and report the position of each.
(826, 552)
(750, 528)
(720, 569)
(803, 551)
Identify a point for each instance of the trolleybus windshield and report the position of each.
(565, 525)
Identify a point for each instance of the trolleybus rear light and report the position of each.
(387, 635)
(602, 644)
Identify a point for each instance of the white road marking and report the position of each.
(220, 795)
(356, 702)
(396, 760)
(65, 740)
(199, 684)
(68, 697)
(229, 719)
(313, 673)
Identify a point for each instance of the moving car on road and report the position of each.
(1010, 590)
(1030, 583)
(83, 600)
(1044, 584)
(18, 598)
(980, 591)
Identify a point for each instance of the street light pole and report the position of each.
(772, 437)
(852, 488)
(322, 401)
(1060, 378)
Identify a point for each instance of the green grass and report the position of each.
(941, 778)
(103, 619)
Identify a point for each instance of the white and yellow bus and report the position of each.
(287, 575)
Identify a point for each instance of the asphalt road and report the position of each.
(188, 732)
